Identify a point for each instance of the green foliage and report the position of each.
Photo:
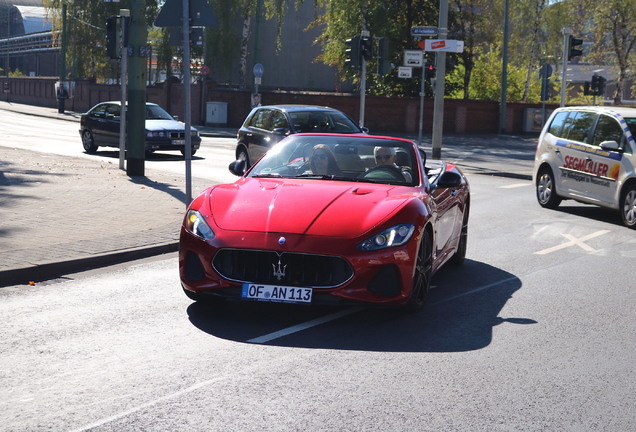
(86, 33)
(16, 73)
(486, 80)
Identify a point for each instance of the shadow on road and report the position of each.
(462, 309)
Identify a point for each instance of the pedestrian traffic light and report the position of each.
(384, 62)
(366, 47)
(573, 43)
(430, 71)
(113, 30)
(353, 52)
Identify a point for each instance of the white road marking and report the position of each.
(303, 326)
(516, 185)
(574, 241)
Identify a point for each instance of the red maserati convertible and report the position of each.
(324, 219)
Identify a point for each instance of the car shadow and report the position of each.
(592, 212)
(155, 156)
(462, 309)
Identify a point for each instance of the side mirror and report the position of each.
(610, 145)
(365, 129)
(237, 168)
(449, 179)
(280, 131)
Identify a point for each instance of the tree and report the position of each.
(86, 32)
(474, 23)
(615, 32)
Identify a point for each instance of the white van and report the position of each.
(587, 154)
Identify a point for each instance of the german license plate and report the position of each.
(178, 142)
(277, 293)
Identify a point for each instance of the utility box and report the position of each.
(216, 113)
(534, 119)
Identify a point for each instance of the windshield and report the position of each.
(155, 112)
(323, 121)
(356, 158)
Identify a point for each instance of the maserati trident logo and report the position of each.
(279, 272)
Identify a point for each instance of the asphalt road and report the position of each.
(534, 332)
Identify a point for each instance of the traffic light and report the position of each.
(430, 71)
(597, 88)
(384, 62)
(601, 86)
(573, 43)
(366, 47)
(113, 30)
(353, 52)
(545, 89)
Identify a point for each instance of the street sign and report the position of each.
(423, 31)
(446, 45)
(258, 70)
(205, 70)
(405, 72)
(413, 58)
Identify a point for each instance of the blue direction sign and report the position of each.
(258, 70)
(423, 31)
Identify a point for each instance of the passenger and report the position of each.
(323, 161)
(386, 156)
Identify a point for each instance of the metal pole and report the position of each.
(419, 137)
(187, 108)
(124, 13)
(363, 80)
(504, 73)
(566, 32)
(438, 115)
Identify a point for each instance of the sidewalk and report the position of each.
(60, 215)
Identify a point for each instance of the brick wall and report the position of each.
(382, 115)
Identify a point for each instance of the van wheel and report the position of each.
(628, 206)
(546, 192)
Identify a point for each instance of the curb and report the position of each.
(52, 270)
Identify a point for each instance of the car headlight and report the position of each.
(395, 236)
(194, 133)
(155, 134)
(196, 224)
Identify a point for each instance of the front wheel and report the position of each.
(241, 154)
(628, 206)
(460, 255)
(546, 191)
(192, 152)
(88, 142)
(422, 275)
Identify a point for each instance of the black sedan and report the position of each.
(267, 125)
(99, 127)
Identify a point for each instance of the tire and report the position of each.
(192, 152)
(88, 142)
(459, 256)
(422, 275)
(628, 206)
(546, 191)
(241, 154)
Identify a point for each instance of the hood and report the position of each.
(323, 208)
(165, 125)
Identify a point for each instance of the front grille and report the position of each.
(286, 269)
(177, 135)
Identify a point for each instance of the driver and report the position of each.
(386, 156)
